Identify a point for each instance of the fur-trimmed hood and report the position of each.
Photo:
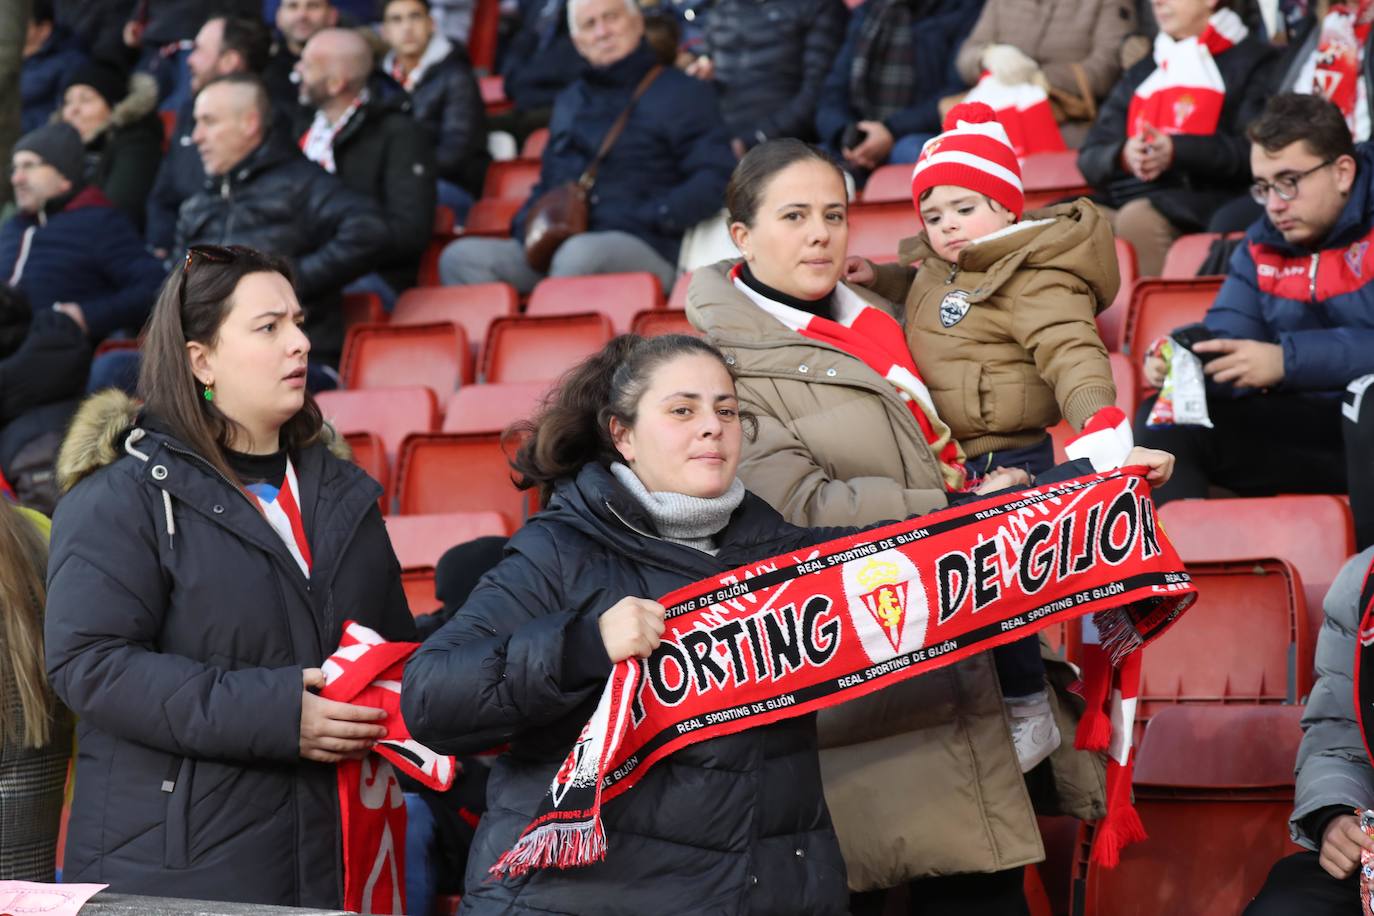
(102, 425)
(140, 102)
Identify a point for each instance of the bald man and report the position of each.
(369, 139)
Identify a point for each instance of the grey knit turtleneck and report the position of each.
(692, 521)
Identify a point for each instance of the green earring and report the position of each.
(209, 393)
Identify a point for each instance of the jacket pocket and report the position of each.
(177, 824)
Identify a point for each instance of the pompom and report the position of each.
(969, 112)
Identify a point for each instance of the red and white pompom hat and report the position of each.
(973, 152)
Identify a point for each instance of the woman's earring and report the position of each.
(209, 392)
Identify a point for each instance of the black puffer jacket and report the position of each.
(1207, 171)
(448, 104)
(771, 58)
(177, 628)
(277, 200)
(732, 825)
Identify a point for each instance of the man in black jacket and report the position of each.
(373, 144)
(263, 193)
(443, 89)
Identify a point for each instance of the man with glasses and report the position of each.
(1291, 328)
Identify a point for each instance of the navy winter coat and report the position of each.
(541, 61)
(1317, 304)
(731, 825)
(448, 104)
(667, 171)
(177, 629)
(86, 252)
(938, 29)
(44, 74)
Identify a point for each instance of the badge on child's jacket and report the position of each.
(953, 307)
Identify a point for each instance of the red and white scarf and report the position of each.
(318, 141)
(795, 633)
(366, 670)
(1185, 93)
(1024, 110)
(1334, 70)
(874, 338)
(282, 509)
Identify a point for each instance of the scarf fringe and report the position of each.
(560, 845)
(1119, 634)
(1121, 826)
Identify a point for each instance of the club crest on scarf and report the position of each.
(886, 603)
(953, 308)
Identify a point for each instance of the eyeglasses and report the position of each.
(1285, 186)
(215, 254)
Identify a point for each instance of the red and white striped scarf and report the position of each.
(282, 509)
(1185, 93)
(874, 338)
(1336, 63)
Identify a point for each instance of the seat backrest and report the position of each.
(511, 179)
(1111, 321)
(677, 299)
(1049, 177)
(875, 229)
(369, 453)
(491, 216)
(418, 584)
(492, 407)
(1214, 789)
(435, 355)
(363, 308)
(887, 184)
(1315, 533)
(390, 413)
(458, 472)
(617, 296)
(474, 307)
(662, 321)
(1159, 306)
(1187, 253)
(420, 540)
(535, 142)
(483, 34)
(1204, 658)
(531, 348)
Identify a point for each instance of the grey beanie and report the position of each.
(60, 146)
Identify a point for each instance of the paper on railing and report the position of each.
(22, 898)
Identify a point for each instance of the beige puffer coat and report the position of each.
(921, 778)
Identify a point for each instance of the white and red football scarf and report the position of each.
(795, 633)
(282, 509)
(1024, 110)
(1334, 70)
(318, 140)
(1185, 93)
(874, 338)
(366, 670)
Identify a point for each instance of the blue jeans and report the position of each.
(908, 148)
(455, 198)
(420, 837)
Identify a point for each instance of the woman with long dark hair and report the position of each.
(205, 557)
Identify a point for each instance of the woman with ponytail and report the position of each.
(35, 730)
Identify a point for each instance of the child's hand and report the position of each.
(1001, 478)
(1159, 466)
(1156, 369)
(858, 270)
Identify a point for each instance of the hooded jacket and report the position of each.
(1317, 304)
(448, 104)
(922, 777)
(122, 160)
(81, 249)
(731, 825)
(178, 625)
(1005, 338)
(279, 201)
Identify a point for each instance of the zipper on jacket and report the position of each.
(1312, 276)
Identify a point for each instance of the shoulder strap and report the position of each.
(589, 176)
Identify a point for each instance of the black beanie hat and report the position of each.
(112, 84)
(59, 145)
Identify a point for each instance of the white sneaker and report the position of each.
(1033, 729)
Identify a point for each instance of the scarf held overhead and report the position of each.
(1185, 93)
(796, 633)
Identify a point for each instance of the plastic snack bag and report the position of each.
(1367, 866)
(1182, 399)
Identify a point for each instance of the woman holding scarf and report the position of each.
(1168, 146)
(208, 550)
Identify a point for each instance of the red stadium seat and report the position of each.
(458, 472)
(369, 453)
(363, 308)
(511, 179)
(169, 127)
(677, 299)
(490, 217)
(493, 89)
(491, 408)
(889, 184)
(662, 321)
(473, 307)
(482, 36)
(390, 413)
(875, 229)
(1050, 177)
(1315, 533)
(1159, 306)
(1188, 252)
(115, 344)
(444, 220)
(1204, 658)
(435, 355)
(418, 585)
(1214, 788)
(541, 348)
(617, 296)
(1111, 321)
(535, 143)
(420, 540)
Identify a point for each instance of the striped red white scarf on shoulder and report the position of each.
(876, 339)
(1185, 93)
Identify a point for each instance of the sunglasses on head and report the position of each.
(215, 254)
